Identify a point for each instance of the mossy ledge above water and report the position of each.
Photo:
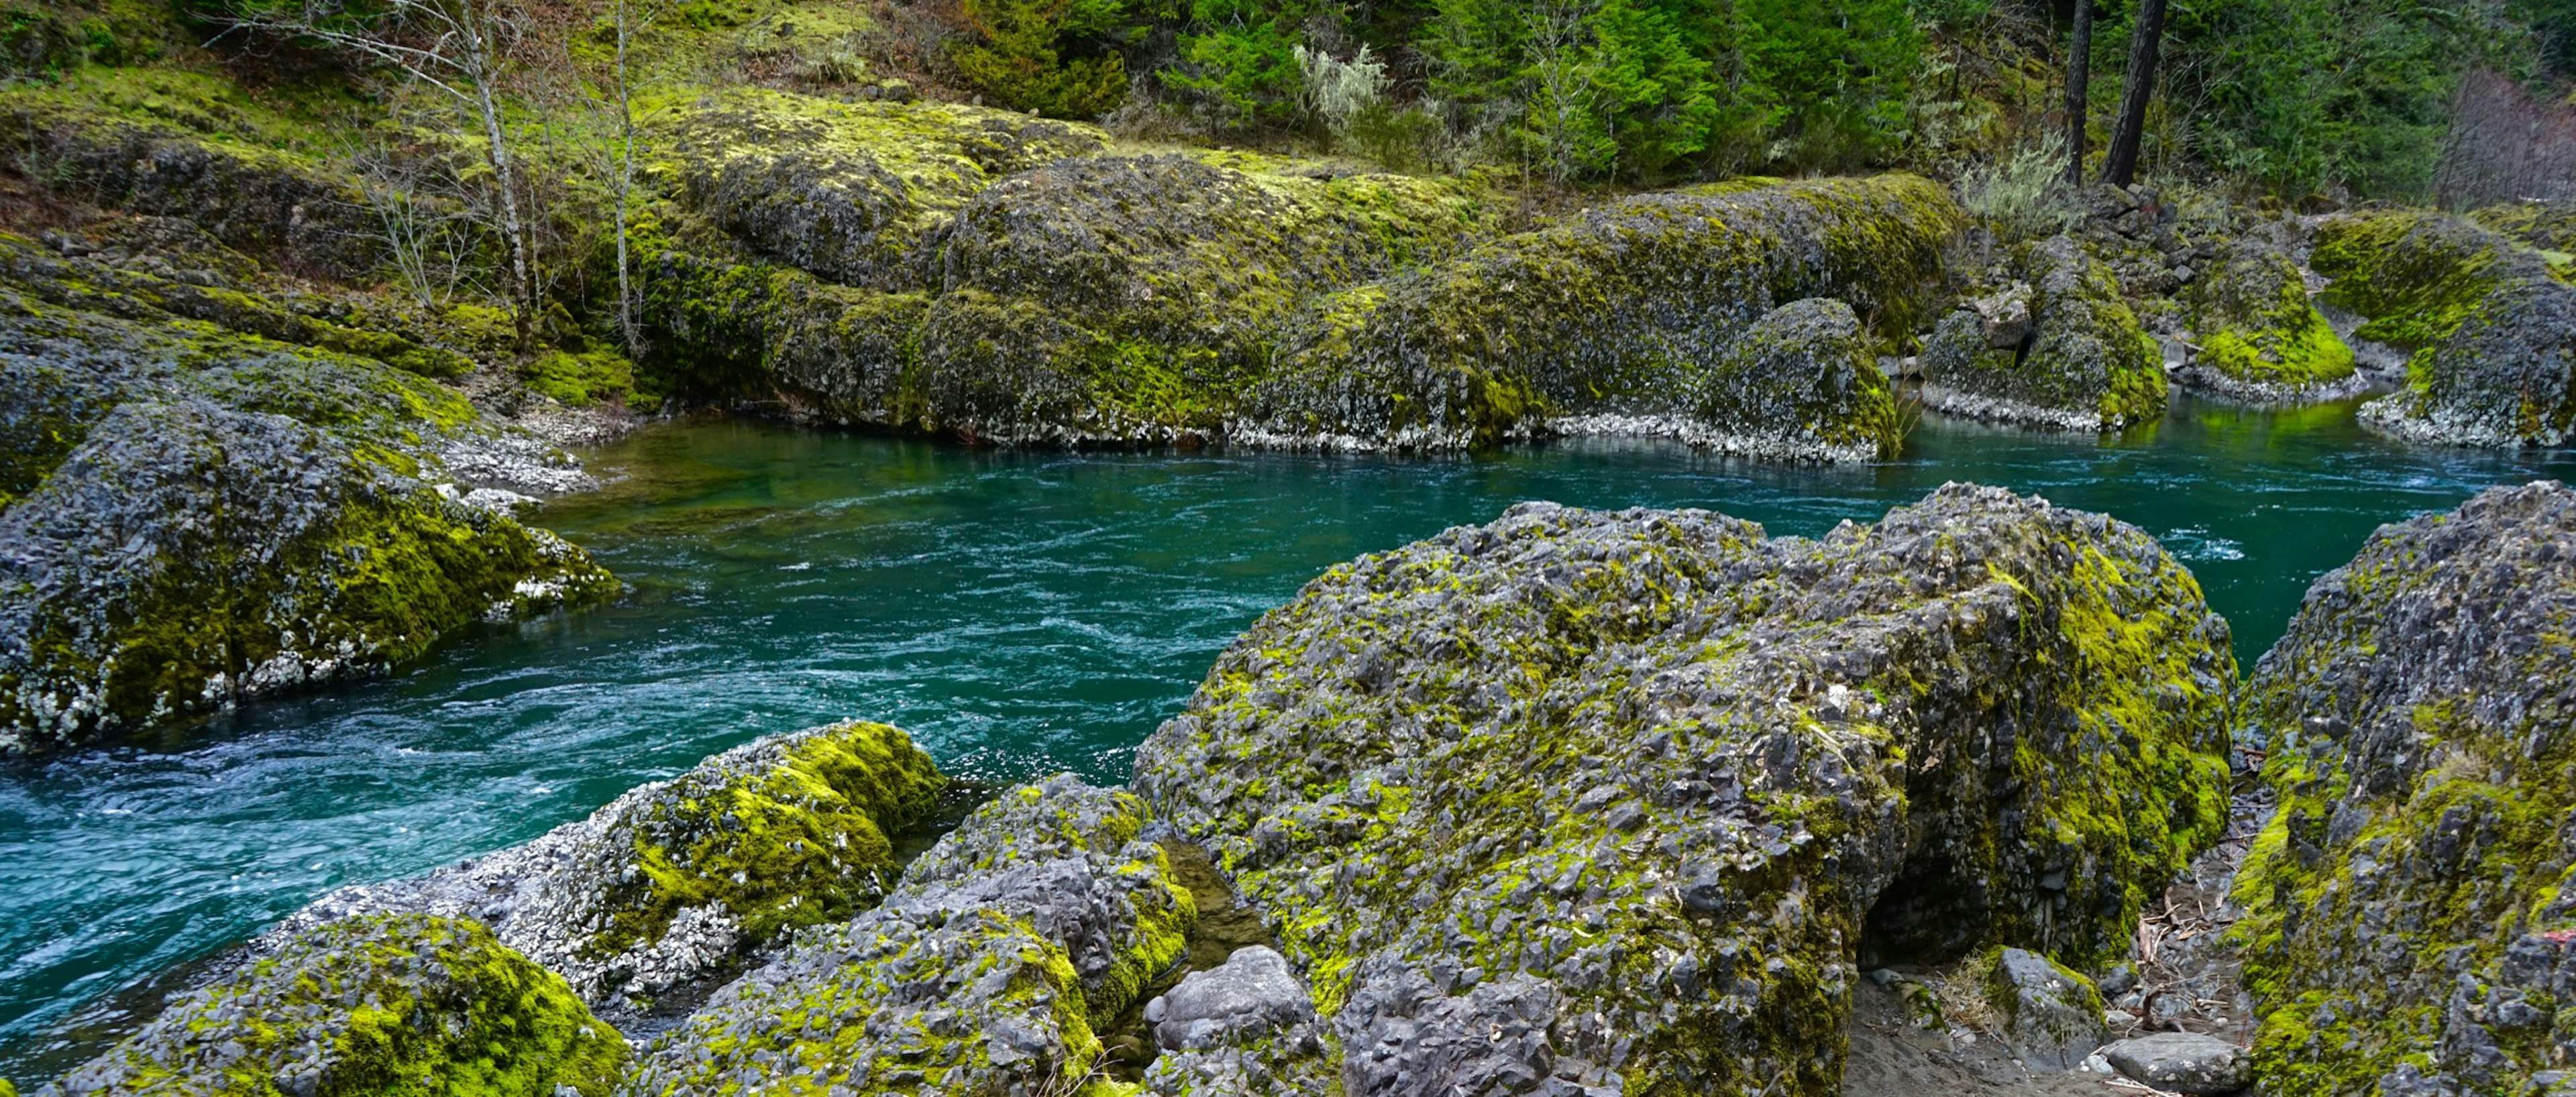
(2410, 926)
(2491, 323)
(1176, 297)
(2063, 350)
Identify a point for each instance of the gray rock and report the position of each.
(2086, 365)
(673, 884)
(2492, 327)
(2183, 1062)
(1411, 772)
(2410, 901)
(2052, 1016)
(1252, 994)
(1037, 920)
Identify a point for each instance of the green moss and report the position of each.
(801, 842)
(2256, 324)
(2413, 289)
(396, 1005)
(580, 380)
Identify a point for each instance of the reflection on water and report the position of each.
(1021, 613)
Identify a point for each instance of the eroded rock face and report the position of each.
(2492, 328)
(2260, 338)
(2085, 364)
(389, 1004)
(1632, 790)
(985, 972)
(678, 881)
(2409, 921)
(195, 516)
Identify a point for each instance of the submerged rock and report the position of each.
(987, 971)
(190, 517)
(2261, 339)
(679, 881)
(1584, 799)
(2084, 363)
(380, 1005)
(2409, 925)
(2492, 327)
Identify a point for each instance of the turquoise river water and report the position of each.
(1020, 613)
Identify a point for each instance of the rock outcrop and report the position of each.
(2409, 927)
(987, 971)
(1584, 799)
(983, 275)
(2260, 339)
(1621, 310)
(679, 882)
(2079, 362)
(1800, 384)
(382, 1005)
(190, 516)
(2491, 324)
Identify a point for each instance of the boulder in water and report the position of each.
(2085, 364)
(2261, 339)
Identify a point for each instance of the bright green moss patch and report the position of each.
(2413, 282)
(2256, 324)
(580, 380)
(391, 1005)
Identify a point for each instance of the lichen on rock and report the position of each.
(393, 1005)
(2491, 324)
(1639, 788)
(2408, 926)
(2260, 338)
(987, 971)
(2085, 363)
(679, 882)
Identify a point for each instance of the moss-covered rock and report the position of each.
(849, 191)
(167, 144)
(678, 882)
(399, 1006)
(2549, 227)
(190, 517)
(1608, 311)
(2409, 927)
(987, 971)
(2084, 365)
(1642, 788)
(2491, 324)
(1800, 383)
(2260, 338)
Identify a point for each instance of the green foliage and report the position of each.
(1023, 60)
(2023, 194)
(1239, 61)
(2304, 95)
(580, 380)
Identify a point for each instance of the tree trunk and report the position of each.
(2120, 163)
(625, 187)
(482, 70)
(2079, 74)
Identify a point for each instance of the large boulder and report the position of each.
(678, 882)
(1621, 798)
(190, 517)
(394, 1005)
(1612, 310)
(2491, 324)
(2410, 926)
(2080, 363)
(989, 970)
(849, 191)
(2260, 337)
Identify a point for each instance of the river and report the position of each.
(1019, 612)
